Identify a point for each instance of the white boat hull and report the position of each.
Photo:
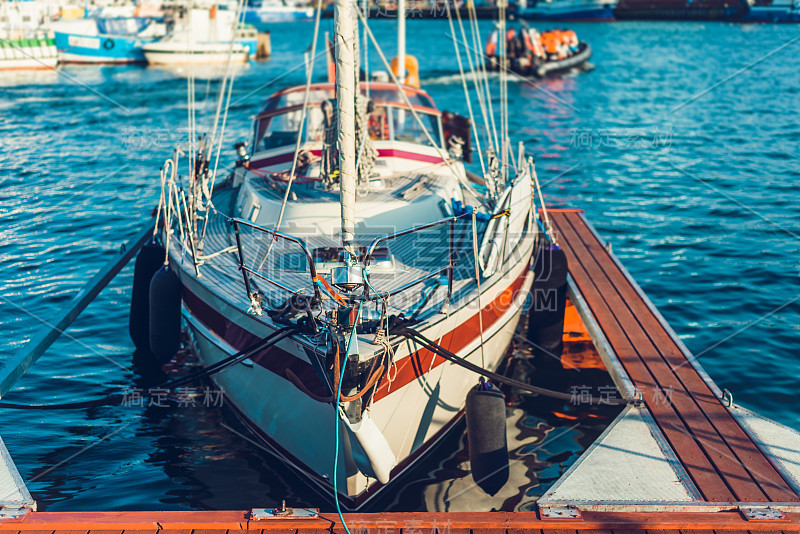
(431, 401)
(192, 58)
(29, 63)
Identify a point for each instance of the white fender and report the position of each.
(374, 446)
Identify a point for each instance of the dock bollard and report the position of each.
(548, 304)
(263, 45)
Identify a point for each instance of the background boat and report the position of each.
(771, 11)
(106, 40)
(203, 36)
(261, 14)
(26, 41)
(566, 10)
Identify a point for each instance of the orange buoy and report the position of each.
(411, 68)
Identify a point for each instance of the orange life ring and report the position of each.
(412, 70)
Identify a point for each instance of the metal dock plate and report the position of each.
(13, 514)
(257, 514)
(763, 513)
(559, 512)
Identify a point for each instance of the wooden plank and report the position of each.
(556, 531)
(503, 531)
(721, 432)
(588, 278)
(760, 468)
(729, 522)
(715, 447)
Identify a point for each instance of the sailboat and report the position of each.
(351, 212)
(203, 36)
(26, 40)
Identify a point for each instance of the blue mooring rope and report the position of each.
(338, 424)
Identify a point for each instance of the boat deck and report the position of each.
(682, 460)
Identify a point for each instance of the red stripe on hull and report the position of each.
(273, 358)
(382, 153)
(415, 365)
(408, 369)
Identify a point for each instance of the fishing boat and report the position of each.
(30, 53)
(262, 14)
(572, 10)
(349, 274)
(106, 40)
(771, 11)
(26, 41)
(530, 53)
(203, 36)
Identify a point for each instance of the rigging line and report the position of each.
(466, 185)
(476, 80)
(480, 60)
(366, 52)
(478, 280)
(340, 417)
(227, 71)
(303, 117)
(232, 73)
(466, 89)
(503, 93)
(547, 224)
(208, 189)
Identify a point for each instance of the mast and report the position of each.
(401, 41)
(345, 35)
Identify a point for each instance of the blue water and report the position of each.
(690, 175)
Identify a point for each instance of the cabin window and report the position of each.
(405, 127)
(281, 130)
(386, 122)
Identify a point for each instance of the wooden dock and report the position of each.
(229, 522)
(685, 460)
(722, 460)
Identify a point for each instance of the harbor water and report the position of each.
(681, 145)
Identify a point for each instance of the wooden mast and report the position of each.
(345, 35)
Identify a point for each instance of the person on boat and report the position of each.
(570, 40)
(512, 46)
(533, 44)
(552, 44)
(491, 50)
(491, 45)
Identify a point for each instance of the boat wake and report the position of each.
(453, 78)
